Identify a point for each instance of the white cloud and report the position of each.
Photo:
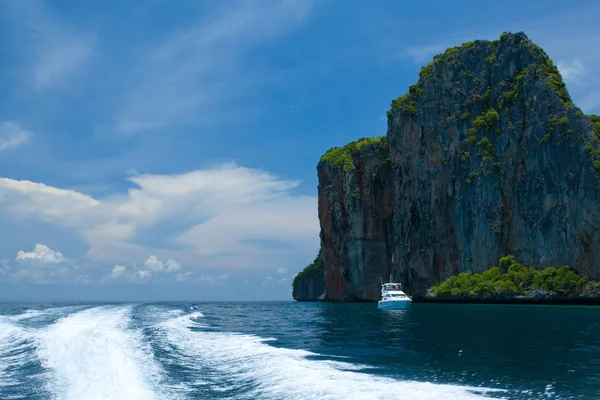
(154, 264)
(12, 136)
(144, 274)
(286, 219)
(117, 271)
(42, 253)
(43, 265)
(58, 50)
(217, 218)
(571, 71)
(282, 280)
(281, 270)
(197, 69)
(64, 207)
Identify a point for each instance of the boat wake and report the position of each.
(153, 352)
(89, 354)
(253, 369)
(93, 354)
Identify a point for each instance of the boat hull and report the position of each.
(394, 304)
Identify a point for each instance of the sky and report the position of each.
(167, 150)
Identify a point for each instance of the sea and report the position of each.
(289, 350)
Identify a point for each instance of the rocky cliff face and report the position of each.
(309, 284)
(490, 157)
(356, 207)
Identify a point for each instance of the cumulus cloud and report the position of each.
(154, 264)
(42, 253)
(117, 271)
(12, 136)
(43, 265)
(281, 270)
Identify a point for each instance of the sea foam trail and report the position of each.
(92, 354)
(19, 367)
(255, 370)
(15, 351)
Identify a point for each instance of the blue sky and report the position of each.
(167, 149)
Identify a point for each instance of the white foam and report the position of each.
(26, 315)
(52, 312)
(93, 355)
(15, 350)
(246, 363)
(17, 343)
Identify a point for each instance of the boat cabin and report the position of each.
(392, 291)
(391, 286)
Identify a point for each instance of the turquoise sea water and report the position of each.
(286, 350)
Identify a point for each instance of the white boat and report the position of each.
(393, 298)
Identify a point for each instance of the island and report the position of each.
(486, 157)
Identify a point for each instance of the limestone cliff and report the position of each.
(487, 156)
(491, 157)
(356, 207)
(309, 284)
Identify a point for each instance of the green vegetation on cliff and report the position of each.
(512, 279)
(455, 56)
(341, 157)
(596, 120)
(595, 154)
(313, 272)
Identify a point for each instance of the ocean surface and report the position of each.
(287, 350)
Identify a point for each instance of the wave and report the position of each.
(30, 318)
(255, 370)
(25, 315)
(93, 354)
(19, 368)
(15, 348)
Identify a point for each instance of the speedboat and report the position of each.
(393, 298)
